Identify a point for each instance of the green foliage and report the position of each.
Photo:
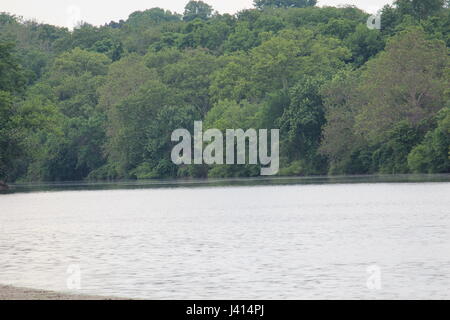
(433, 154)
(12, 83)
(391, 156)
(284, 3)
(127, 128)
(201, 34)
(72, 147)
(228, 114)
(412, 12)
(301, 124)
(388, 106)
(151, 17)
(191, 77)
(12, 77)
(7, 141)
(242, 39)
(419, 9)
(406, 82)
(364, 44)
(197, 10)
(158, 141)
(102, 102)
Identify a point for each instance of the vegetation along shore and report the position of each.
(101, 102)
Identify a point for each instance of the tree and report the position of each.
(276, 60)
(339, 140)
(205, 34)
(12, 77)
(419, 9)
(20, 119)
(227, 114)
(12, 82)
(154, 16)
(233, 81)
(8, 142)
(433, 154)
(126, 79)
(262, 4)
(385, 110)
(156, 159)
(197, 10)
(136, 114)
(391, 154)
(301, 124)
(100, 102)
(190, 77)
(340, 28)
(242, 39)
(76, 150)
(364, 44)
(406, 82)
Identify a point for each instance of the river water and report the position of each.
(291, 241)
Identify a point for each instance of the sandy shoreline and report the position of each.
(15, 293)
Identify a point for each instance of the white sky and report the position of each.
(98, 12)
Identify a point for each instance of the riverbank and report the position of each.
(15, 293)
(222, 182)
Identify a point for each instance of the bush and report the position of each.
(432, 155)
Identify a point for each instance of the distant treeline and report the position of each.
(102, 102)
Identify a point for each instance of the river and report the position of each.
(364, 240)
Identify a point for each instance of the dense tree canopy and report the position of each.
(12, 82)
(101, 102)
(400, 92)
(197, 10)
(284, 3)
(419, 9)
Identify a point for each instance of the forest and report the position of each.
(101, 102)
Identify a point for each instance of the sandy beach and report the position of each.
(15, 293)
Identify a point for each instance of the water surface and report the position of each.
(296, 241)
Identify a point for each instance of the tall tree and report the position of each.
(12, 82)
(389, 105)
(261, 4)
(420, 9)
(197, 9)
(433, 154)
(12, 77)
(406, 82)
(73, 80)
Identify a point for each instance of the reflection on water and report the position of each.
(286, 240)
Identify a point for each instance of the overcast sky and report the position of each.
(64, 12)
